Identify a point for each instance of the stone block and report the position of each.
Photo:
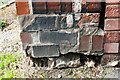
(41, 23)
(38, 51)
(107, 58)
(58, 37)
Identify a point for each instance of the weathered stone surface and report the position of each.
(106, 58)
(57, 37)
(66, 21)
(42, 22)
(67, 60)
(66, 41)
(37, 51)
(38, 22)
(94, 30)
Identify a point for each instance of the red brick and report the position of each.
(53, 3)
(112, 37)
(112, 11)
(54, 8)
(97, 43)
(93, 6)
(84, 43)
(67, 8)
(111, 47)
(112, 1)
(26, 37)
(22, 7)
(106, 58)
(93, 1)
(37, 4)
(112, 24)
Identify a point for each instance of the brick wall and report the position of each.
(47, 34)
(112, 30)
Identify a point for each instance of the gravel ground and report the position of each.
(10, 36)
(10, 42)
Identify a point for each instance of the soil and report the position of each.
(10, 42)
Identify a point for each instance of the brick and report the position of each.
(93, 6)
(28, 38)
(22, 7)
(53, 6)
(40, 23)
(39, 10)
(97, 43)
(54, 9)
(38, 51)
(84, 43)
(111, 48)
(57, 37)
(112, 24)
(66, 41)
(112, 1)
(66, 7)
(112, 37)
(112, 11)
(39, 7)
(106, 58)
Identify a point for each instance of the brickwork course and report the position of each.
(57, 28)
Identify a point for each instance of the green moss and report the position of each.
(7, 65)
(3, 24)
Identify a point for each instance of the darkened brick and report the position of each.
(85, 43)
(97, 43)
(28, 38)
(93, 6)
(44, 51)
(43, 22)
(57, 37)
(38, 22)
